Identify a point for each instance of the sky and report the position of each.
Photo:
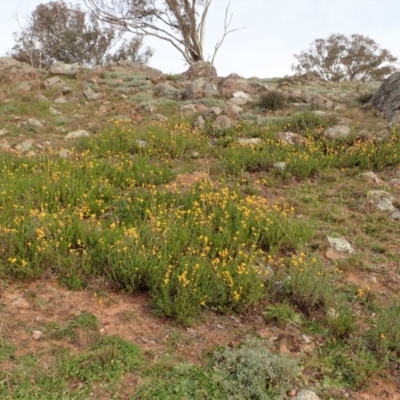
(273, 31)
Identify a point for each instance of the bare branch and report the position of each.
(227, 23)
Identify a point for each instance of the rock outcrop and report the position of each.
(387, 98)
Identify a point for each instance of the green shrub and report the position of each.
(252, 371)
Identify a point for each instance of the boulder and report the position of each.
(337, 132)
(53, 82)
(152, 74)
(320, 102)
(195, 90)
(60, 68)
(387, 98)
(233, 83)
(201, 69)
(222, 122)
(91, 95)
(14, 71)
(290, 138)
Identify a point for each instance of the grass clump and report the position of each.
(308, 284)
(384, 336)
(272, 100)
(252, 371)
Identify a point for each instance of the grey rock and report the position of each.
(66, 90)
(36, 335)
(64, 153)
(195, 154)
(291, 138)
(320, 101)
(395, 215)
(189, 108)
(306, 395)
(243, 96)
(210, 90)
(136, 69)
(160, 118)
(53, 82)
(249, 141)
(222, 122)
(280, 165)
(60, 100)
(340, 245)
(91, 95)
(387, 98)
(199, 123)
(370, 175)
(233, 109)
(25, 146)
(60, 68)
(35, 122)
(233, 83)
(12, 70)
(150, 107)
(53, 111)
(340, 108)
(141, 143)
(24, 87)
(41, 97)
(195, 89)
(212, 113)
(201, 69)
(164, 89)
(3, 132)
(238, 101)
(337, 131)
(77, 134)
(320, 113)
(382, 200)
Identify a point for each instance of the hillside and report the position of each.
(196, 237)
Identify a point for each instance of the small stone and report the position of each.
(66, 90)
(25, 146)
(280, 165)
(3, 132)
(306, 339)
(337, 132)
(222, 122)
(64, 153)
(341, 245)
(77, 134)
(141, 143)
(53, 111)
(195, 154)
(91, 95)
(382, 200)
(189, 108)
(37, 335)
(60, 100)
(395, 215)
(160, 118)
(306, 395)
(199, 123)
(249, 141)
(35, 122)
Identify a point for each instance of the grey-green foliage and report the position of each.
(252, 371)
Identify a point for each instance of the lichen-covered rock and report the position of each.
(60, 68)
(337, 131)
(14, 71)
(387, 98)
(201, 69)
